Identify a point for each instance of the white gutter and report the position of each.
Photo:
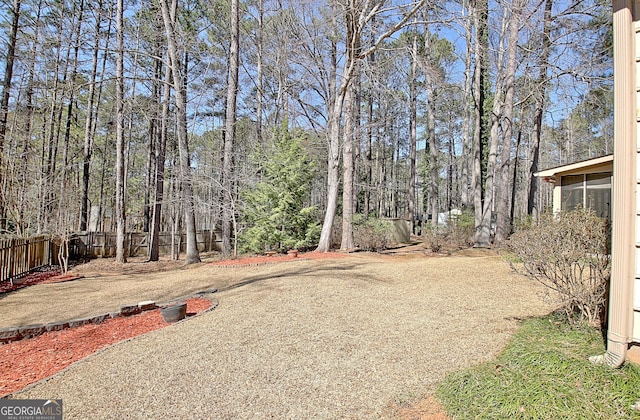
(620, 323)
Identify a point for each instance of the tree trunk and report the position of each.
(259, 71)
(149, 177)
(4, 101)
(395, 158)
(503, 221)
(540, 96)
(230, 129)
(333, 175)
(26, 148)
(8, 74)
(451, 157)
(49, 153)
(357, 141)
(95, 127)
(381, 166)
(121, 255)
(152, 147)
(515, 175)
(369, 147)
(431, 130)
(466, 196)
(161, 144)
(483, 233)
(88, 126)
(179, 83)
(480, 12)
(413, 136)
(347, 159)
(63, 207)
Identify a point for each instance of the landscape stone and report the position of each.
(100, 318)
(57, 326)
(9, 334)
(147, 305)
(79, 322)
(32, 330)
(128, 310)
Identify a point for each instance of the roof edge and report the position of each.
(574, 166)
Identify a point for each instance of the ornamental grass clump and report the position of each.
(569, 254)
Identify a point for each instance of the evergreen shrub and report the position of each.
(276, 214)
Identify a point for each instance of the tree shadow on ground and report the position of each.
(305, 272)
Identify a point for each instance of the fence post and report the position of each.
(12, 259)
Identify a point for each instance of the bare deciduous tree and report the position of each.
(357, 16)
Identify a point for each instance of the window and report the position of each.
(598, 195)
(589, 191)
(572, 192)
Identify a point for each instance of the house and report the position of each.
(584, 184)
(624, 294)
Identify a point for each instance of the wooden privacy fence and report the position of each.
(103, 244)
(20, 256)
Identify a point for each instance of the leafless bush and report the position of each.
(372, 234)
(457, 233)
(460, 230)
(434, 237)
(569, 254)
(369, 234)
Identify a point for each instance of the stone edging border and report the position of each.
(10, 334)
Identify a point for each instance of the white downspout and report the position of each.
(620, 325)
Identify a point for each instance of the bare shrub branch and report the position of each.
(569, 254)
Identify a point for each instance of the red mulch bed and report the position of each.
(43, 275)
(264, 259)
(27, 361)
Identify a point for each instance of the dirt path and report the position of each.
(358, 337)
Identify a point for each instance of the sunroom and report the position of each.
(584, 184)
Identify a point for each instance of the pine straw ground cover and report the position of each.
(104, 286)
(363, 336)
(27, 361)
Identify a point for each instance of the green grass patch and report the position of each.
(544, 374)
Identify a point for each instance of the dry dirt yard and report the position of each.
(362, 336)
